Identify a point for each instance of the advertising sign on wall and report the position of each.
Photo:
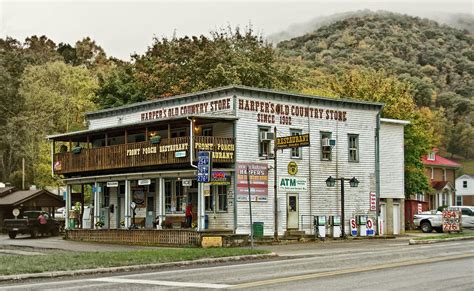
(373, 201)
(292, 184)
(258, 175)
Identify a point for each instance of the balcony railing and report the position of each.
(170, 151)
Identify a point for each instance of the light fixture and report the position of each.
(354, 182)
(330, 182)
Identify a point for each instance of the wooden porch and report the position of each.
(169, 151)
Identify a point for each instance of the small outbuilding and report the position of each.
(11, 198)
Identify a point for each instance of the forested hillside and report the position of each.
(437, 61)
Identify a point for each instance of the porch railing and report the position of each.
(143, 154)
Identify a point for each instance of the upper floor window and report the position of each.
(444, 175)
(264, 141)
(464, 184)
(432, 173)
(206, 131)
(295, 152)
(353, 147)
(326, 150)
(179, 132)
(431, 156)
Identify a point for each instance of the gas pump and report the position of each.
(320, 226)
(362, 224)
(335, 222)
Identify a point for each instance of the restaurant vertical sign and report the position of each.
(258, 173)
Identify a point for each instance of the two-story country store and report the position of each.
(143, 162)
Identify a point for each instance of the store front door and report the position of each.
(292, 214)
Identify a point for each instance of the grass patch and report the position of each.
(65, 261)
(445, 236)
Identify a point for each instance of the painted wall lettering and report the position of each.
(268, 110)
(191, 109)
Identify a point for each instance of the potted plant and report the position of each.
(155, 139)
(99, 223)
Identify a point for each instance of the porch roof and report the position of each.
(83, 133)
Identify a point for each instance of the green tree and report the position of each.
(189, 64)
(56, 97)
(15, 56)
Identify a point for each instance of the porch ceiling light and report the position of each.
(354, 182)
(330, 182)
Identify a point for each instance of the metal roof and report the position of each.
(231, 88)
(18, 197)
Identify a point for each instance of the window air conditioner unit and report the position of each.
(265, 136)
(326, 142)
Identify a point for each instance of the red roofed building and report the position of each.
(442, 175)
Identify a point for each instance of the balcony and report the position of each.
(172, 151)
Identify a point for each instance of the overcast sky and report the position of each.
(125, 27)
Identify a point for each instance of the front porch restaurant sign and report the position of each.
(258, 174)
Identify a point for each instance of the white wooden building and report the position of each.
(119, 154)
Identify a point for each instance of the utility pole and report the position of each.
(23, 174)
(275, 184)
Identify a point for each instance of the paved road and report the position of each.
(360, 265)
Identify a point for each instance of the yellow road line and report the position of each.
(348, 271)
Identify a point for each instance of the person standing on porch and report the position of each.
(189, 215)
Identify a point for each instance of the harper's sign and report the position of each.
(186, 110)
(293, 184)
(270, 112)
(292, 141)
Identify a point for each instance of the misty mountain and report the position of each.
(457, 20)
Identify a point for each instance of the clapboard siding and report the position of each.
(391, 161)
(324, 200)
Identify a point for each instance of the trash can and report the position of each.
(72, 223)
(206, 221)
(258, 229)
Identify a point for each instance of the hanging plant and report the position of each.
(156, 139)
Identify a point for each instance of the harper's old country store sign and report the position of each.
(270, 112)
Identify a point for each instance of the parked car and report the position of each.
(429, 220)
(29, 224)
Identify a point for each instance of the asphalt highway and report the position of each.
(357, 265)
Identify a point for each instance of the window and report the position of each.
(326, 149)
(458, 200)
(168, 196)
(263, 144)
(464, 184)
(221, 195)
(466, 211)
(179, 197)
(444, 199)
(206, 131)
(295, 152)
(431, 156)
(444, 174)
(432, 173)
(209, 202)
(179, 132)
(353, 147)
(420, 197)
